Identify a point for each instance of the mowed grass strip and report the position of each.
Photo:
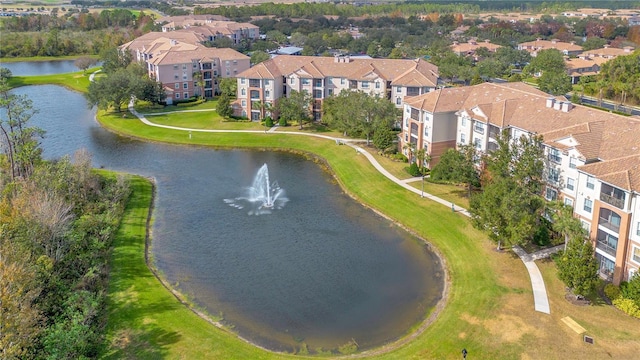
(78, 81)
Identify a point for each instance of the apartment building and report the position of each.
(185, 68)
(533, 47)
(470, 47)
(210, 27)
(607, 52)
(592, 156)
(393, 79)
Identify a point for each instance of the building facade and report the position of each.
(592, 157)
(186, 69)
(325, 76)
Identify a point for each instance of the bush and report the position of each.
(413, 170)
(541, 236)
(631, 290)
(400, 157)
(628, 306)
(282, 122)
(268, 121)
(611, 291)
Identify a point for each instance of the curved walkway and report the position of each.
(541, 302)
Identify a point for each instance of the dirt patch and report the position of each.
(576, 299)
(470, 319)
(510, 328)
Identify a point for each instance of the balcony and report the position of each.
(254, 83)
(612, 200)
(602, 245)
(413, 91)
(207, 66)
(479, 128)
(609, 225)
(353, 84)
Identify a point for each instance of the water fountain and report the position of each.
(262, 196)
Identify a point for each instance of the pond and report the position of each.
(28, 68)
(321, 270)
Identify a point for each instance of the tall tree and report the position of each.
(577, 267)
(458, 166)
(510, 205)
(224, 106)
(551, 60)
(114, 90)
(20, 142)
(113, 59)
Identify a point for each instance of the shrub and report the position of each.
(268, 121)
(628, 306)
(611, 291)
(631, 290)
(413, 169)
(282, 122)
(541, 236)
(400, 157)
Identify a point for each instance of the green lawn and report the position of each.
(77, 81)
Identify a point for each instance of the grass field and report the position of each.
(489, 309)
(77, 81)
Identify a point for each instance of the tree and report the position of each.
(593, 42)
(5, 73)
(555, 83)
(259, 56)
(224, 106)
(383, 138)
(550, 60)
(577, 266)
(113, 59)
(84, 62)
(509, 207)
(21, 145)
(198, 83)
(458, 166)
(228, 86)
(358, 113)
(296, 107)
(564, 223)
(114, 90)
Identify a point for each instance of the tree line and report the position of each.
(57, 220)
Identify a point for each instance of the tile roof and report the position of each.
(472, 46)
(623, 172)
(147, 39)
(199, 53)
(600, 136)
(608, 52)
(398, 71)
(549, 44)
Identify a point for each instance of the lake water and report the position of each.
(24, 68)
(320, 271)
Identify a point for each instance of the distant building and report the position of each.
(289, 50)
(533, 47)
(608, 52)
(470, 47)
(210, 27)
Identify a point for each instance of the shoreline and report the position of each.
(429, 317)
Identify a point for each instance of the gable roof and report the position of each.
(397, 71)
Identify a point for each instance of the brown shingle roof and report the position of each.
(398, 71)
(623, 172)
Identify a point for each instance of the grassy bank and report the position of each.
(490, 306)
(78, 81)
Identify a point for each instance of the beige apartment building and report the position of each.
(322, 77)
(210, 27)
(592, 156)
(185, 67)
(533, 47)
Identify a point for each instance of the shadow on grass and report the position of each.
(152, 342)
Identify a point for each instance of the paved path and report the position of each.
(537, 282)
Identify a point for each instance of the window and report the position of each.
(609, 219)
(184, 76)
(464, 121)
(243, 92)
(573, 162)
(185, 95)
(185, 85)
(398, 101)
(463, 139)
(590, 182)
(267, 94)
(177, 86)
(342, 81)
(317, 94)
(177, 95)
(244, 103)
(175, 77)
(607, 242)
(305, 81)
(588, 205)
(638, 229)
(365, 85)
(377, 84)
(553, 175)
(317, 82)
(242, 81)
(398, 89)
(184, 66)
(267, 82)
(551, 194)
(426, 131)
(292, 81)
(570, 183)
(330, 91)
(632, 273)
(477, 143)
(175, 67)
(554, 155)
(568, 201)
(478, 127)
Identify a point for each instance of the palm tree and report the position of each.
(410, 148)
(198, 83)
